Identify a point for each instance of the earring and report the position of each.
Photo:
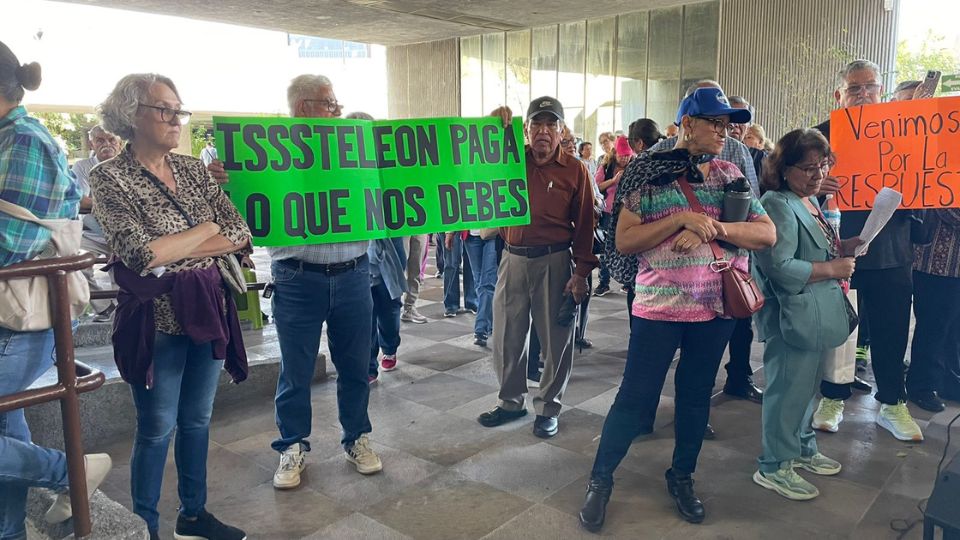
(686, 137)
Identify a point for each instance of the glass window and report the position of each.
(570, 74)
(663, 70)
(543, 62)
(494, 71)
(631, 87)
(518, 71)
(471, 80)
(599, 102)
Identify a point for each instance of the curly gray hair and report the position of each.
(119, 111)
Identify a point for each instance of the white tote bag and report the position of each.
(25, 302)
(840, 364)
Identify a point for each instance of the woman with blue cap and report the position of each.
(662, 245)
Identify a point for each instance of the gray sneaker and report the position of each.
(818, 464)
(411, 315)
(788, 483)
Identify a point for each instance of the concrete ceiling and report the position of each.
(387, 22)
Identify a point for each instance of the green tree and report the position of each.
(932, 54)
(70, 129)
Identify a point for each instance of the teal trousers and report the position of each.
(792, 376)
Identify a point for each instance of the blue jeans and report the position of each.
(385, 325)
(302, 301)
(452, 259)
(649, 355)
(185, 377)
(482, 255)
(24, 357)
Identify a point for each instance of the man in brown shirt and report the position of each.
(536, 276)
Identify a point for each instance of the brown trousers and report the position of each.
(531, 288)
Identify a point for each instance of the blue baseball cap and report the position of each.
(711, 102)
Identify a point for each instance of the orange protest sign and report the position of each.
(910, 146)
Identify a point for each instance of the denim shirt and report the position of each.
(387, 265)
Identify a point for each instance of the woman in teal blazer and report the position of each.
(803, 277)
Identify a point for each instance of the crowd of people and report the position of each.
(662, 214)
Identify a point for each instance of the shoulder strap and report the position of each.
(166, 193)
(20, 213)
(695, 205)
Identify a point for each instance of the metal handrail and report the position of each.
(73, 378)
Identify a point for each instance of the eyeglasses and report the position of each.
(330, 104)
(720, 127)
(567, 142)
(167, 114)
(854, 89)
(811, 170)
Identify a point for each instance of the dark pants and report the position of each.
(863, 329)
(385, 325)
(886, 298)
(302, 302)
(738, 367)
(935, 353)
(652, 347)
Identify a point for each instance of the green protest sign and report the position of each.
(301, 181)
(950, 83)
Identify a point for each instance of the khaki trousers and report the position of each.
(531, 288)
(415, 246)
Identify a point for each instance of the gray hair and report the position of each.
(359, 115)
(740, 100)
(856, 65)
(303, 85)
(97, 129)
(702, 83)
(118, 112)
(906, 85)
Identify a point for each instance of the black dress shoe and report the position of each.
(595, 504)
(928, 401)
(861, 385)
(680, 488)
(584, 343)
(499, 416)
(746, 390)
(545, 426)
(709, 434)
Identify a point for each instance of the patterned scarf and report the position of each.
(654, 168)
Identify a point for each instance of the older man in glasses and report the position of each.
(315, 285)
(884, 283)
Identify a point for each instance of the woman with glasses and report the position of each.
(168, 221)
(804, 278)
(679, 298)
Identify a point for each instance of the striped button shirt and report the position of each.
(33, 174)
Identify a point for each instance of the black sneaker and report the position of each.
(601, 290)
(480, 340)
(206, 527)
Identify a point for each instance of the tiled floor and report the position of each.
(446, 477)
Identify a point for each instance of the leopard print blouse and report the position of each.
(134, 212)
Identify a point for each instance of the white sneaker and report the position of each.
(363, 457)
(818, 464)
(829, 415)
(97, 466)
(897, 420)
(291, 465)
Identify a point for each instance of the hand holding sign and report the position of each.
(912, 147)
(300, 181)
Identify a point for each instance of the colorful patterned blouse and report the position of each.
(681, 287)
(942, 256)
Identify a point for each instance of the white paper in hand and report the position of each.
(884, 205)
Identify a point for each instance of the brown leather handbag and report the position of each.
(741, 295)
